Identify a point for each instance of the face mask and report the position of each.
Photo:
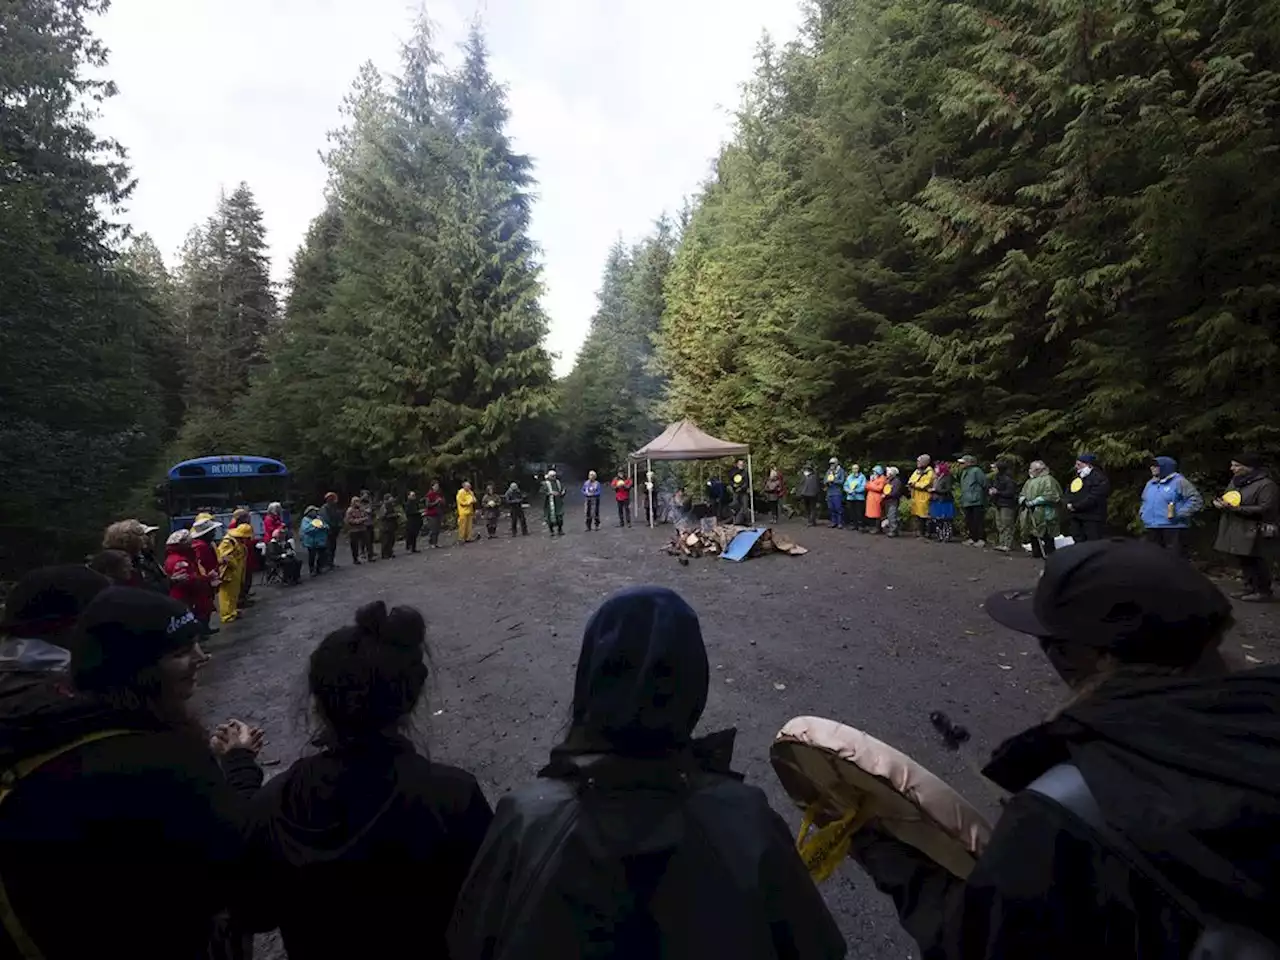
(1085, 470)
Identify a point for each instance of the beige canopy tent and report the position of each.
(685, 440)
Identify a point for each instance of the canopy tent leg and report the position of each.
(648, 486)
(751, 490)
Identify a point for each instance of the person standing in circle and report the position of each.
(591, 493)
(466, 501)
(622, 494)
(515, 503)
(921, 486)
(1248, 527)
(553, 503)
(1169, 501)
(1086, 500)
(434, 513)
(834, 483)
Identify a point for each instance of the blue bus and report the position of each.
(218, 485)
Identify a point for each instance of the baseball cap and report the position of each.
(126, 629)
(1131, 599)
(49, 599)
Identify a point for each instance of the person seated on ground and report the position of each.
(360, 849)
(280, 554)
(1149, 802)
(120, 834)
(39, 621)
(638, 840)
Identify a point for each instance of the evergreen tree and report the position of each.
(80, 412)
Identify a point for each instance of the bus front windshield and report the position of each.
(223, 494)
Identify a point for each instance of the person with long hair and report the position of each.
(361, 848)
(638, 840)
(120, 830)
(1144, 819)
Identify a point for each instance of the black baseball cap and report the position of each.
(126, 629)
(1134, 600)
(48, 600)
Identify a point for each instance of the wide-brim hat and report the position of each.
(201, 527)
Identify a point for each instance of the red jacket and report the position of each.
(434, 502)
(270, 524)
(622, 490)
(188, 583)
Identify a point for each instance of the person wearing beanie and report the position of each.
(40, 616)
(1086, 499)
(333, 514)
(637, 839)
(1144, 812)
(120, 830)
(1249, 525)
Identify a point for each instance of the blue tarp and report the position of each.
(741, 545)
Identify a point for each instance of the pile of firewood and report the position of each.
(713, 539)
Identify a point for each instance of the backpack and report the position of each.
(9, 779)
(1066, 787)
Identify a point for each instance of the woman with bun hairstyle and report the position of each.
(360, 849)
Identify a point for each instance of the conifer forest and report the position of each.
(985, 225)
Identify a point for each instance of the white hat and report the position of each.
(178, 538)
(200, 528)
(835, 460)
(147, 529)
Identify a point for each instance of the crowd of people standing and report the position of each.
(1038, 510)
(162, 837)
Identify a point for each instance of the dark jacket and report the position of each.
(608, 857)
(360, 851)
(1238, 530)
(333, 515)
(1006, 491)
(810, 484)
(637, 841)
(1089, 502)
(412, 513)
(1187, 770)
(124, 846)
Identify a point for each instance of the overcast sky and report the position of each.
(621, 103)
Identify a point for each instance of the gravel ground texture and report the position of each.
(872, 632)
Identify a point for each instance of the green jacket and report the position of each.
(1040, 499)
(973, 487)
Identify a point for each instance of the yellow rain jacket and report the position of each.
(233, 556)
(921, 483)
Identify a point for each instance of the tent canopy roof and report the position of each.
(684, 440)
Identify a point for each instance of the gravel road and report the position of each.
(872, 632)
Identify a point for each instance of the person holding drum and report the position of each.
(1145, 816)
(637, 840)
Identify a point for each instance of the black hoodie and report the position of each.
(125, 846)
(359, 851)
(637, 841)
(1188, 771)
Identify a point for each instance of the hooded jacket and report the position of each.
(637, 841)
(1087, 496)
(1169, 490)
(1187, 770)
(125, 846)
(360, 851)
